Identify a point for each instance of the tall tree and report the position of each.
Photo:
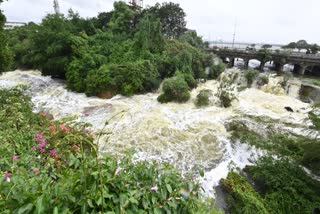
(172, 18)
(121, 23)
(302, 44)
(5, 54)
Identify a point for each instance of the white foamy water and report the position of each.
(182, 134)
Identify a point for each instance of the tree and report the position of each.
(172, 18)
(5, 54)
(264, 55)
(103, 19)
(149, 37)
(302, 44)
(314, 49)
(191, 37)
(121, 23)
(266, 46)
(291, 45)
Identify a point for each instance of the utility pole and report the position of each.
(56, 6)
(234, 33)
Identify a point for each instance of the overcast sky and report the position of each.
(259, 21)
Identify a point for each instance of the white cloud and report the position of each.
(273, 21)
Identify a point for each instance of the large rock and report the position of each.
(310, 93)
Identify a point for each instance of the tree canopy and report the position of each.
(124, 51)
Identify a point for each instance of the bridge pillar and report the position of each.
(279, 68)
(246, 64)
(296, 68)
(231, 63)
(261, 65)
(302, 69)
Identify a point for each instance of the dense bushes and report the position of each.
(280, 187)
(5, 54)
(175, 89)
(127, 79)
(250, 76)
(203, 97)
(142, 48)
(53, 167)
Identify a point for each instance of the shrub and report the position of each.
(53, 167)
(225, 94)
(203, 97)
(250, 76)
(262, 80)
(127, 79)
(242, 197)
(175, 89)
(216, 70)
(286, 77)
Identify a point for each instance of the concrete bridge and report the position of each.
(279, 58)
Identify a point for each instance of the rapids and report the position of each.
(182, 134)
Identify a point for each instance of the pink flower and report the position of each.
(35, 171)
(34, 148)
(64, 128)
(42, 150)
(75, 148)
(52, 128)
(15, 157)
(154, 188)
(54, 153)
(7, 176)
(42, 143)
(39, 135)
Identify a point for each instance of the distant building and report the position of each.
(12, 25)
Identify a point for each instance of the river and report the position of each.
(191, 138)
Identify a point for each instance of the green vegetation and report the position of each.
(125, 51)
(53, 167)
(316, 82)
(278, 186)
(5, 54)
(263, 79)
(264, 55)
(250, 76)
(175, 89)
(286, 77)
(203, 97)
(303, 45)
(225, 94)
(275, 185)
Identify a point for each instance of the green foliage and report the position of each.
(53, 167)
(242, 197)
(225, 92)
(127, 79)
(280, 187)
(6, 58)
(286, 188)
(262, 80)
(192, 38)
(175, 89)
(264, 55)
(172, 18)
(216, 70)
(301, 149)
(250, 76)
(94, 54)
(286, 77)
(203, 97)
(148, 36)
(121, 22)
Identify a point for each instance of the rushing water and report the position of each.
(182, 134)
